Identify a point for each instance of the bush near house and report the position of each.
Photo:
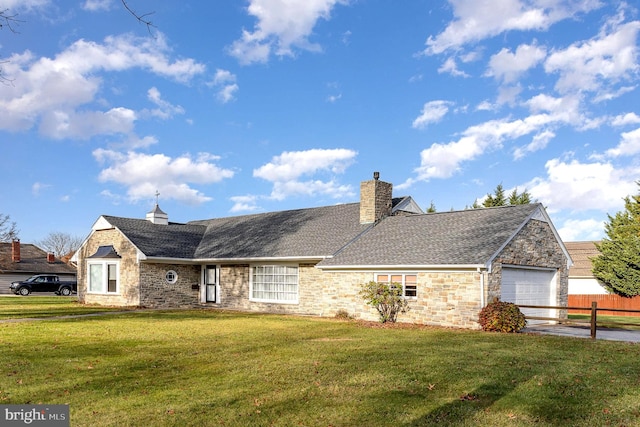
(500, 316)
(386, 298)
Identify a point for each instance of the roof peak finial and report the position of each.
(157, 195)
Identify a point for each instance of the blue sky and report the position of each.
(232, 107)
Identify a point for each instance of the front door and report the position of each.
(210, 283)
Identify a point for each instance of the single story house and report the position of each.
(313, 261)
(581, 278)
(19, 261)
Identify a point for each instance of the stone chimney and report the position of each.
(375, 199)
(156, 216)
(15, 250)
(51, 258)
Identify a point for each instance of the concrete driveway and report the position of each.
(584, 332)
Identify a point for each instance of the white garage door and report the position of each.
(530, 287)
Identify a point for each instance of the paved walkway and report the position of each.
(585, 332)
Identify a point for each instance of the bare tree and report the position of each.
(60, 244)
(8, 20)
(11, 21)
(8, 229)
(143, 19)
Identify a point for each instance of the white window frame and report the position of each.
(277, 287)
(403, 283)
(105, 277)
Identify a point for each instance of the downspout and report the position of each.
(481, 288)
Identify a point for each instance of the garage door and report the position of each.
(530, 287)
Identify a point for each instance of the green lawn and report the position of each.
(606, 321)
(19, 307)
(216, 368)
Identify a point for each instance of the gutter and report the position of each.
(443, 267)
(169, 260)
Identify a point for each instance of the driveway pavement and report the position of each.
(584, 332)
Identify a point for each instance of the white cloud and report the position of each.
(508, 67)
(451, 67)
(12, 5)
(626, 119)
(538, 142)
(287, 170)
(443, 160)
(143, 174)
(581, 229)
(37, 187)
(475, 20)
(55, 93)
(97, 5)
(60, 124)
(282, 25)
(165, 110)
(577, 186)
(432, 112)
(628, 146)
(601, 61)
(247, 203)
(225, 82)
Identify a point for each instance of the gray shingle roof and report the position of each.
(33, 260)
(313, 232)
(469, 237)
(157, 240)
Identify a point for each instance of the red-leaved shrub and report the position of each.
(502, 316)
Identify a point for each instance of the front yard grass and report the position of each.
(608, 321)
(20, 307)
(211, 368)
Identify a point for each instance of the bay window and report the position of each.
(103, 277)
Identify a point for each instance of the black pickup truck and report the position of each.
(44, 283)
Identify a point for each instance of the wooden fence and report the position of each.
(592, 311)
(609, 301)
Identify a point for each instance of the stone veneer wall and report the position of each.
(156, 292)
(535, 245)
(129, 289)
(444, 298)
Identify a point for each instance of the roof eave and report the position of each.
(169, 260)
(446, 267)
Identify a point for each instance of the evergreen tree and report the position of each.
(618, 265)
(431, 208)
(498, 198)
(516, 198)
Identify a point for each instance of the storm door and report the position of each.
(211, 282)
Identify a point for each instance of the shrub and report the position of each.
(386, 298)
(500, 316)
(343, 315)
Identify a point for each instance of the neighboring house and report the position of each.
(314, 261)
(19, 261)
(581, 279)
